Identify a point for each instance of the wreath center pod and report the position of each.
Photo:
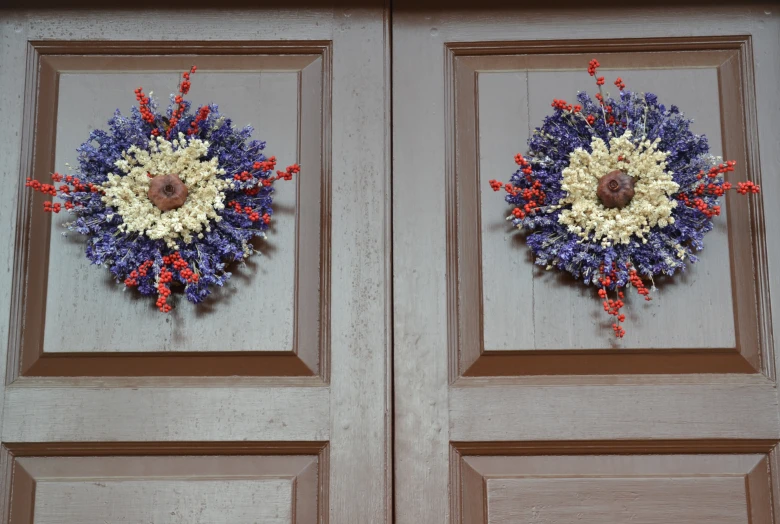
(168, 200)
(616, 191)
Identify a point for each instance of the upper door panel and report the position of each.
(268, 403)
(514, 317)
(281, 91)
(514, 402)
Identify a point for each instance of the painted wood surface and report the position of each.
(443, 416)
(578, 412)
(360, 408)
(606, 500)
(266, 101)
(164, 502)
(527, 308)
(142, 489)
(616, 488)
(107, 414)
(474, 281)
(344, 408)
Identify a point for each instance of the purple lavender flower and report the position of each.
(537, 194)
(139, 261)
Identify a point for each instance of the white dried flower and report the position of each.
(650, 206)
(128, 194)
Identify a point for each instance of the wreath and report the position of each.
(168, 201)
(616, 191)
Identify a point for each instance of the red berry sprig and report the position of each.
(184, 88)
(288, 173)
(593, 65)
(565, 106)
(244, 176)
(143, 106)
(611, 306)
(163, 291)
(609, 118)
(171, 263)
(712, 184)
(639, 284)
(46, 189)
(562, 105)
(73, 190)
(203, 114)
(254, 179)
(534, 196)
(132, 279)
(175, 261)
(743, 188)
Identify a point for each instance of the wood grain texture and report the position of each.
(471, 495)
(507, 277)
(612, 412)
(164, 502)
(266, 100)
(656, 463)
(272, 24)
(160, 414)
(500, 281)
(419, 267)
(359, 409)
(352, 413)
(15, 110)
(430, 413)
(507, 264)
(616, 488)
(605, 500)
(170, 489)
(288, 100)
(759, 481)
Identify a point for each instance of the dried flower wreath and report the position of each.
(169, 199)
(615, 191)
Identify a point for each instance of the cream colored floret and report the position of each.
(182, 157)
(650, 206)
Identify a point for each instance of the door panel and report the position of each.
(270, 402)
(616, 488)
(270, 99)
(284, 94)
(550, 321)
(505, 284)
(165, 490)
(513, 402)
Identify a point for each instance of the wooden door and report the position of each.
(270, 403)
(513, 404)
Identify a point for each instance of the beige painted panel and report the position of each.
(166, 489)
(507, 267)
(164, 502)
(703, 500)
(165, 466)
(264, 286)
(51, 414)
(615, 465)
(650, 411)
(526, 307)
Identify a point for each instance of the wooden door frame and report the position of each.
(351, 401)
(443, 416)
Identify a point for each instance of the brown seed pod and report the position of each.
(616, 189)
(167, 192)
